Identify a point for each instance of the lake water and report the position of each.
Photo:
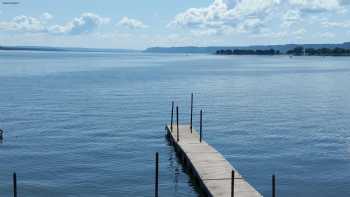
(88, 124)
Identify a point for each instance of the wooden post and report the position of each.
(156, 186)
(14, 185)
(273, 186)
(177, 123)
(191, 112)
(233, 183)
(1, 134)
(172, 116)
(200, 128)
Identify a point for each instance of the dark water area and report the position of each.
(88, 124)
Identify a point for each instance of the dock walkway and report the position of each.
(212, 171)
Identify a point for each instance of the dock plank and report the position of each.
(210, 167)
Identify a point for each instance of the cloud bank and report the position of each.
(252, 16)
(23, 24)
(84, 24)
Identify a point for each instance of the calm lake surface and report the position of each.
(88, 124)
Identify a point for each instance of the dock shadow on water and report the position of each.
(178, 164)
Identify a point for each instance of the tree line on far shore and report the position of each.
(297, 51)
(301, 51)
(247, 52)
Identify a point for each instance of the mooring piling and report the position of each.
(191, 112)
(14, 185)
(177, 123)
(200, 126)
(156, 186)
(273, 186)
(232, 183)
(172, 116)
(1, 134)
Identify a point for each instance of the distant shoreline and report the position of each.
(342, 49)
(62, 49)
(283, 48)
(8, 48)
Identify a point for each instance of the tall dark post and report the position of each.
(177, 123)
(14, 185)
(200, 128)
(172, 116)
(191, 111)
(156, 188)
(273, 186)
(1, 134)
(233, 183)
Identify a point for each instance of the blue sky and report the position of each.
(140, 24)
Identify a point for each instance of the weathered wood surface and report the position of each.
(209, 166)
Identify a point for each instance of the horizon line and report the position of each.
(182, 46)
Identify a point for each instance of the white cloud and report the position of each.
(253, 25)
(212, 15)
(86, 23)
(23, 23)
(132, 23)
(244, 15)
(253, 7)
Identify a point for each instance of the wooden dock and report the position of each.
(211, 170)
